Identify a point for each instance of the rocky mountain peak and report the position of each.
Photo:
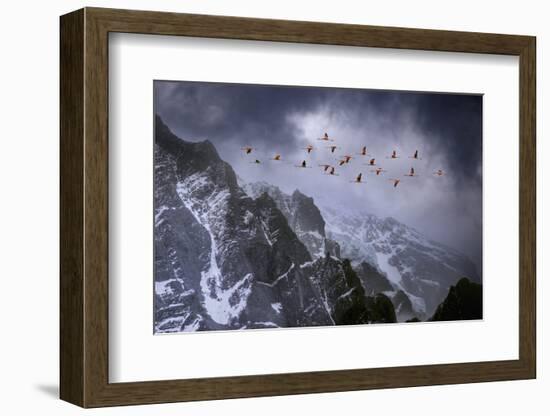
(193, 157)
(303, 216)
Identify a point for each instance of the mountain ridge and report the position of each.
(405, 262)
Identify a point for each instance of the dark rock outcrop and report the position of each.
(464, 302)
(373, 281)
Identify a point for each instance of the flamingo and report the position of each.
(347, 158)
(395, 182)
(393, 155)
(415, 156)
(325, 167)
(411, 173)
(277, 157)
(332, 148)
(342, 162)
(325, 138)
(372, 162)
(302, 165)
(358, 179)
(331, 171)
(247, 149)
(439, 172)
(309, 148)
(256, 162)
(364, 151)
(378, 171)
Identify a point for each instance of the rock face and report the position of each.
(404, 309)
(225, 260)
(373, 281)
(382, 310)
(303, 216)
(464, 301)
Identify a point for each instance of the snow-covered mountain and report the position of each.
(225, 260)
(414, 264)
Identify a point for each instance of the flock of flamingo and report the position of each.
(330, 169)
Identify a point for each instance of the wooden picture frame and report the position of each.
(84, 207)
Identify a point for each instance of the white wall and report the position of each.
(29, 208)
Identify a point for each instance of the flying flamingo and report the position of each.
(372, 162)
(415, 156)
(393, 155)
(277, 157)
(358, 179)
(325, 138)
(347, 158)
(309, 148)
(325, 167)
(395, 182)
(364, 151)
(331, 171)
(332, 148)
(439, 172)
(302, 165)
(411, 173)
(378, 171)
(247, 149)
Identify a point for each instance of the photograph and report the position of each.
(268, 208)
(299, 206)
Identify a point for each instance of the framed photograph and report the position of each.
(255, 207)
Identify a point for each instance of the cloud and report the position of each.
(445, 128)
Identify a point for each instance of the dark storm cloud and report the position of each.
(233, 111)
(255, 115)
(455, 124)
(446, 129)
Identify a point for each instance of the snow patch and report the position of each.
(277, 307)
(327, 306)
(248, 217)
(418, 303)
(193, 326)
(159, 212)
(165, 288)
(172, 324)
(265, 229)
(221, 304)
(430, 282)
(349, 292)
(392, 273)
(283, 276)
(306, 264)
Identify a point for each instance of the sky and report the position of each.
(446, 129)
